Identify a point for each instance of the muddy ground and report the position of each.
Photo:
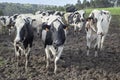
(73, 64)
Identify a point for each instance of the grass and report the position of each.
(114, 11)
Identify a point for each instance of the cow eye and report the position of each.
(83, 15)
(102, 20)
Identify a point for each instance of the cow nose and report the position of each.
(55, 45)
(100, 33)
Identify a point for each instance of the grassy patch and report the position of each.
(114, 11)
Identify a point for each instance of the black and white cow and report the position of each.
(4, 21)
(24, 38)
(78, 19)
(8, 22)
(53, 36)
(75, 19)
(97, 26)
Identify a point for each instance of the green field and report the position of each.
(114, 11)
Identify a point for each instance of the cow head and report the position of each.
(59, 33)
(56, 33)
(90, 24)
(23, 28)
(78, 18)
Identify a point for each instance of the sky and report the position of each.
(46, 2)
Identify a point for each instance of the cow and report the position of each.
(97, 26)
(8, 22)
(53, 37)
(75, 19)
(78, 19)
(11, 24)
(36, 23)
(4, 21)
(68, 18)
(24, 38)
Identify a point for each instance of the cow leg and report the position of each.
(26, 52)
(52, 49)
(97, 45)
(17, 54)
(60, 49)
(96, 49)
(99, 41)
(88, 45)
(75, 28)
(47, 57)
(102, 41)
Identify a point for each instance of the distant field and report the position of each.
(114, 11)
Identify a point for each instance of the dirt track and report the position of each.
(73, 64)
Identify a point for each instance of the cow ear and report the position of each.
(88, 19)
(47, 29)
(65, 27)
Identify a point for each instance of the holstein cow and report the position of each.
(8, 22)
(53, 36)
(4, 21)
(24, 38)
(37, 23)
(97, 26)
(11, 24)
(75, 19)
(78, 19)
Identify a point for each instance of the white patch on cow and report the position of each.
(44, 35)
(56, 25)
(19, 24)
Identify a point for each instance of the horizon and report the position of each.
(42, 2)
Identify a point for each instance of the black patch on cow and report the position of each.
(61, 35)
(26, 34)
(4, 20)
(58, 35)
(48, 39)
(77, 18)
(70, 19)
(15, 16)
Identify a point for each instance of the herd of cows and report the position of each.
(52, 27)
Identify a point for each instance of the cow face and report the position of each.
(20, 25)
(54, 34)
(59, 33)
(3, 20)
(78, 19)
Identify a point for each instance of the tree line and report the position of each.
(13, 8)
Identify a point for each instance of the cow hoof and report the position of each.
(96, 55)
(55, 72)
(87, 54)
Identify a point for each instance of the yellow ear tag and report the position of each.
(47, 29)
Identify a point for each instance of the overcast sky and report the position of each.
(46, 2)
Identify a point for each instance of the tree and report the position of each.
(1, 13)
(115, 3)
(92, 3)
(79, 5)
(102, 3)
(85, 3)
